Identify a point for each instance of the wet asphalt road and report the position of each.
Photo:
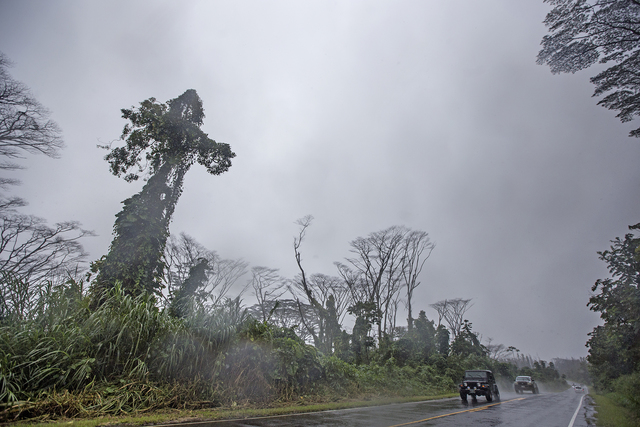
(525, 410)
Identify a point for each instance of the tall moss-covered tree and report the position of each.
(425, 335)
(442, 338)
(163, 141)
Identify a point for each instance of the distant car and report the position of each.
(578, 389)
(525, 383)
(479, 383)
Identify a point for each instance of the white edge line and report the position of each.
(575, 414)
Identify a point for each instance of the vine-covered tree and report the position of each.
(442, 338)
(425, 334)
(163, 140)
(584, 33)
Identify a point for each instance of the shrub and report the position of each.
(625, 392)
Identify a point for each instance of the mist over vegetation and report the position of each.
(153, 323)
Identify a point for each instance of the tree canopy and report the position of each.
(584, 33)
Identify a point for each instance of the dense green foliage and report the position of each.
(614, 347)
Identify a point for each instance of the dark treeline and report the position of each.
(614, 347)
(154, 324)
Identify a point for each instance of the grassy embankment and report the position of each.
(611, 414)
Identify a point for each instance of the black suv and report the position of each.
(479, 383)
(527, 383)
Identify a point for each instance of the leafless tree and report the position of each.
(354, 281)
(223, 274)
(452, 311)
(324, 287)
(440, 307)
(32, 251)
(496, 351)
(35, 257)
(393, 315)
(417, 249)
(183, 252)
(267, 286)
(379, 259)
(283, 312)
(25, 126)
(326, 296)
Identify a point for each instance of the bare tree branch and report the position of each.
(184, 252)
(452, 311)
(267, 286)
(24, 123)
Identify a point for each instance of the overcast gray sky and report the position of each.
(364, 114)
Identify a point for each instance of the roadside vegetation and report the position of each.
(131, 356)
(614, 347)
(611, 414)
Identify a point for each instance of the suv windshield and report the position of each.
(475, 375)
(523, 378)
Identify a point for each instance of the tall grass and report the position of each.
(610, 413)
(130, 355)
(123, 356)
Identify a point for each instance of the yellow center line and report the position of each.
(455, 413)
